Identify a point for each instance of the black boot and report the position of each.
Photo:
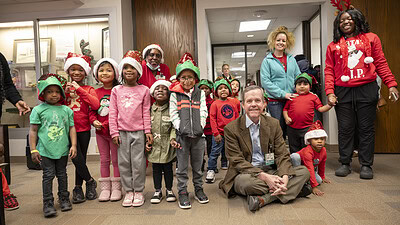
(305, 190)
(65, 203)
(48, 208)
(91, 193)
(77, 195)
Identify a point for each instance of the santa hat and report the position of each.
(113, 63)
(132, 58)
(316, 131)
(78, 59)
(173, 77)
(187, 63)
(156, 46)
(158, 83)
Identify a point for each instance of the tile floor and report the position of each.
(346, 201)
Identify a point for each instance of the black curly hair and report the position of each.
(361, 25)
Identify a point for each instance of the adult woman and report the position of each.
(353, 60)
(153, 67)
(278, 72)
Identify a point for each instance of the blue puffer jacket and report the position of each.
(275, 80)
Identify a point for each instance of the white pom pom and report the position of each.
(345, 78)
(368, 60)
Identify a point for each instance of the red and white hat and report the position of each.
(132, 58)
(113, 63)
(157, 83)
(78, 59)
(316, 131)
(156, 46)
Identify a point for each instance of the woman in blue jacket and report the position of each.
(278, 72)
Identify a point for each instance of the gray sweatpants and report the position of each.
(193, 147)
(132, 161)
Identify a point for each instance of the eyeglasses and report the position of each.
(186, 79)
(155, 54)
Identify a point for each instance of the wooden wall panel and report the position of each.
(169, 23)
(383, 17)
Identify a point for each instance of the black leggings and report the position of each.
(81, 170)
(158, 168)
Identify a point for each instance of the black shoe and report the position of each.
(253, 202)
(306, 190)
(77, 195)
(91, 193)
(65, 203)
(200, 196)
(184, 202)
(170, 196)
(343, 170)
(366, 172)
(48, 208)
(157, 197)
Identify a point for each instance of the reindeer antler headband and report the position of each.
(339, 7)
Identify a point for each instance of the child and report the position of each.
(106, 71)
(160, 154)
(81, 99)
(207, 86)
(130, 127)
(188, 112)
(9, 200)
(53, 123)
(299, 112)
(313, 156)
(173, 79)
(223, 110)
(235, 84)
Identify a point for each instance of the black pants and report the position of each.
(51, 169)
(296, 138)
(81, 171)
(209, 144)
(158, 169)
(357, 110)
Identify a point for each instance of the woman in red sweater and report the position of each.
(353, 61)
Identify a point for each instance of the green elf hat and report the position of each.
(265, 96)
(206, 82)
(187, 63)
(220, 82)
(51, 79)
(305, 75)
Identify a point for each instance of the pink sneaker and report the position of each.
(128, 199)
(138, 199)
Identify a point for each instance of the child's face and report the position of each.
(106, 73)
(52, 94)
(223, 91)
(302, 88)
(130, 74)
(187, 80)
(318, 143)
(77, 73)
(206, 89)
(161, 93)
(235, 86)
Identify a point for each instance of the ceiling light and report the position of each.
(238, 77)
(259, 13)
(237, 55)
(250, 35)
(242, 68)
(53, 22)
(246, 26)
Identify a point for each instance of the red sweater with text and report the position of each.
(311, 159)
(301, 110)
(222, 113)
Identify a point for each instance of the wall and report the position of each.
(298, 34)
(315, 51)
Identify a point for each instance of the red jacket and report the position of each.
(222, 113)
(340, 63)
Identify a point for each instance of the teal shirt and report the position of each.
(54, 123)
(275, 80)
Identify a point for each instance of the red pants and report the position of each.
(6, 189)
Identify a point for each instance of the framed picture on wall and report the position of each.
(105, 44)
(24, 50)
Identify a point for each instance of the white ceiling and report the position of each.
(9, 2)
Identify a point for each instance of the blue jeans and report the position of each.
(216, 150)
(296, 161)
(276, 111)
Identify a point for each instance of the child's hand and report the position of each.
(317, 192)
(75, 85)
(148, 147)
(116, 140)
(175, 144)
(326, 181)
(149, 138)
(332, 100)
(97, 125)
(288, 120)
(36, 158)
(72, 152)
(218, 138)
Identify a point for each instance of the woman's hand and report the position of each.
(393, 94)
(288, 120)
(290, 96)
(332, 99)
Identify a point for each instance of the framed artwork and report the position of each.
(105, 44)
(24, 50)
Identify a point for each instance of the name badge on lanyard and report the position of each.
(269, 157)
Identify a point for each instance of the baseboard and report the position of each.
(332, 148)
(22, 159)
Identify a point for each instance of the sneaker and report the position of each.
(306, 190)
(210, 178)
(253, 202)
(366, 172)
(77, 195)
(128, 199)
(157, 197)
(65, 203)
(343, 170)
(10, 202)
(91, 193)
(170, 196)
(224, 167)
(48, 208)
(138, 199)
(200, 196)
(184, 202)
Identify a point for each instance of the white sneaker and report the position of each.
(157, 197)
(138, 199)
(210, 178)
(128, 199)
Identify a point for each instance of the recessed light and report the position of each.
(250, 35)
(246, 26)
(259, 13)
